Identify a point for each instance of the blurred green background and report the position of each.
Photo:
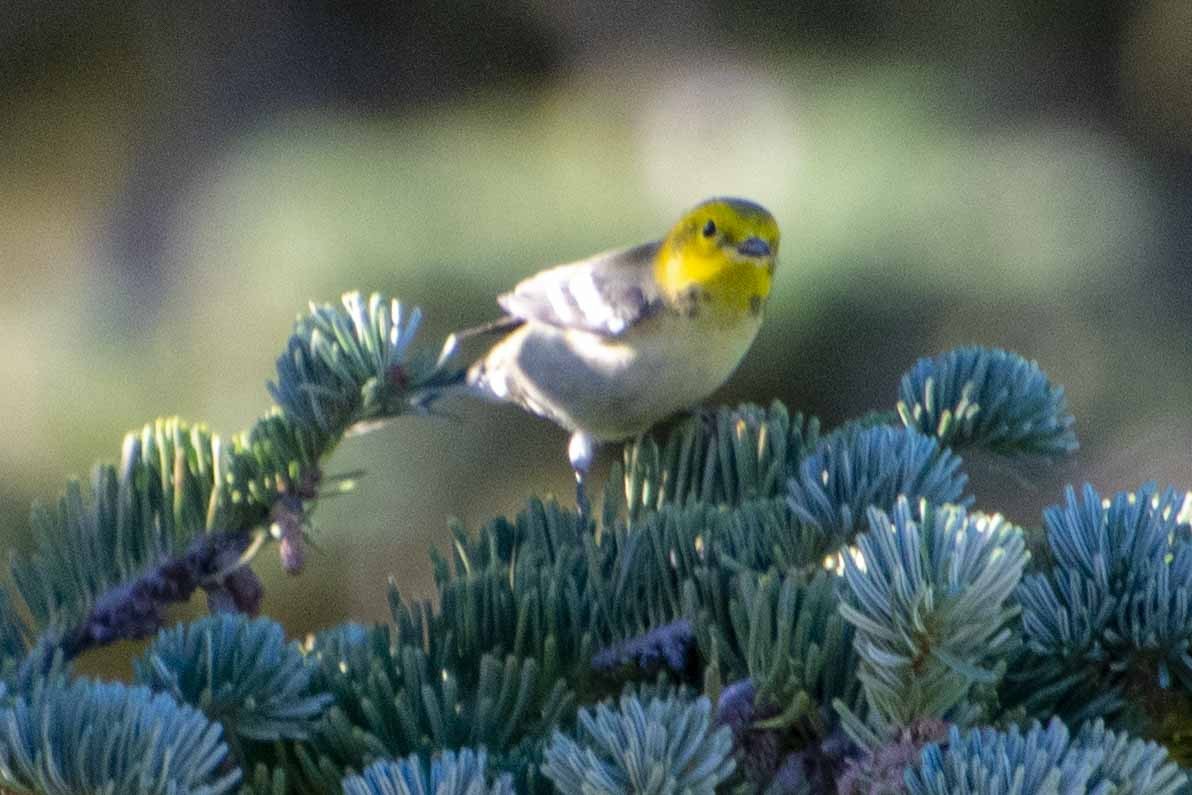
(180, 179)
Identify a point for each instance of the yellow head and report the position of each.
(723, 251)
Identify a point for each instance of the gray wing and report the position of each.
(606, 294)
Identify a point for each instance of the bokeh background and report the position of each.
(178, 180)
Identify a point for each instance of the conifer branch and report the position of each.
(450, 773)
(240, 672)
(136, 609)
(1120, 587)
(1044, 760)
(798, 659)
(389, 700)
(987, 398)
(180, 511)
(59, 739)
(723, 456)
(829, 593)
(928, 594)
(664, 744)
(858, 468)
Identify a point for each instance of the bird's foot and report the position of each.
(582, 505)
(581, 450)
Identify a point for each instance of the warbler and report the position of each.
(609, 345)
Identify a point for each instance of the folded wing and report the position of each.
(606, 294)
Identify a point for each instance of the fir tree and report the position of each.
(756, 605)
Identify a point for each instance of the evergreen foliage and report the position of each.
(780, 610)
(664, 746)
(178, 512)
(238, 671)
(449, 774)
(349, 366)
(1113, 615)
(390, 700)
(928, 596)
(724, 456)
(14, 636)
(860, 467)
(987, 398)
(92, 738)
(1047, 761)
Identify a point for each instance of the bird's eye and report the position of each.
(710, 228)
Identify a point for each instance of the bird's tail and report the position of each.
(478, 381)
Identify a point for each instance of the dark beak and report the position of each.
(754, 247)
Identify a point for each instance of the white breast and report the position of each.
(615, 388)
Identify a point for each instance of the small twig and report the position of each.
(136, 609)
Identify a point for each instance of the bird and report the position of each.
(608, 346)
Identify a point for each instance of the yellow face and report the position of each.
(724, 250)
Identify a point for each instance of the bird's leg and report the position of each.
(581, 450)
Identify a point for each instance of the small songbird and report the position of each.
(609, 345)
